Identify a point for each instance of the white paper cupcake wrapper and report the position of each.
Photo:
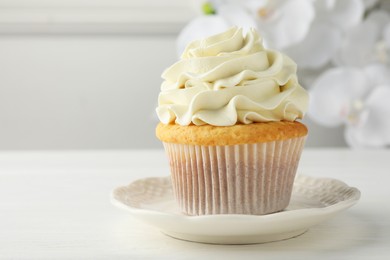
(251, 179)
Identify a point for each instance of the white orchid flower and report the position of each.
(200, 27)
(333, 19)
(282, 23)
(310, 31)
(366, 43)
(359, 99)
(319, 34)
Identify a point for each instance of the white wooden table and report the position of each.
(55, 205)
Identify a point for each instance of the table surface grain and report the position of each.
(55, 205)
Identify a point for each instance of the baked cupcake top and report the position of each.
(230, 135)
(230, 79)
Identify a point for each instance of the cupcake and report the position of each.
(228, 112)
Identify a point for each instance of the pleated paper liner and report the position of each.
(254, 179)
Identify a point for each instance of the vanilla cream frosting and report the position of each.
(230, 78)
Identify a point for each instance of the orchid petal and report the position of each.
(255, 5)
(286, 24)
(377, 74)
(347, 13)
(343, 14)
(380, 18)
(200, 27)
(307, 77)
(354, 138)
(317, 48)
(235, 14)
(386, 35)
(323, 6)
(333, 92)
(373, 128)
(379, 107)
(219, 3)
(197, 5)
(358, 46)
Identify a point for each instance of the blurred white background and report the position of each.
(85, 74)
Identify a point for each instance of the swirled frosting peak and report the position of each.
(230, 78)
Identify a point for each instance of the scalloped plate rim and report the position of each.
(236, 228)
(339, 206)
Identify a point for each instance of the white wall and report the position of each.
(73, 84)
(80, 92)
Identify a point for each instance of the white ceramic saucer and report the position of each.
(313, 201)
